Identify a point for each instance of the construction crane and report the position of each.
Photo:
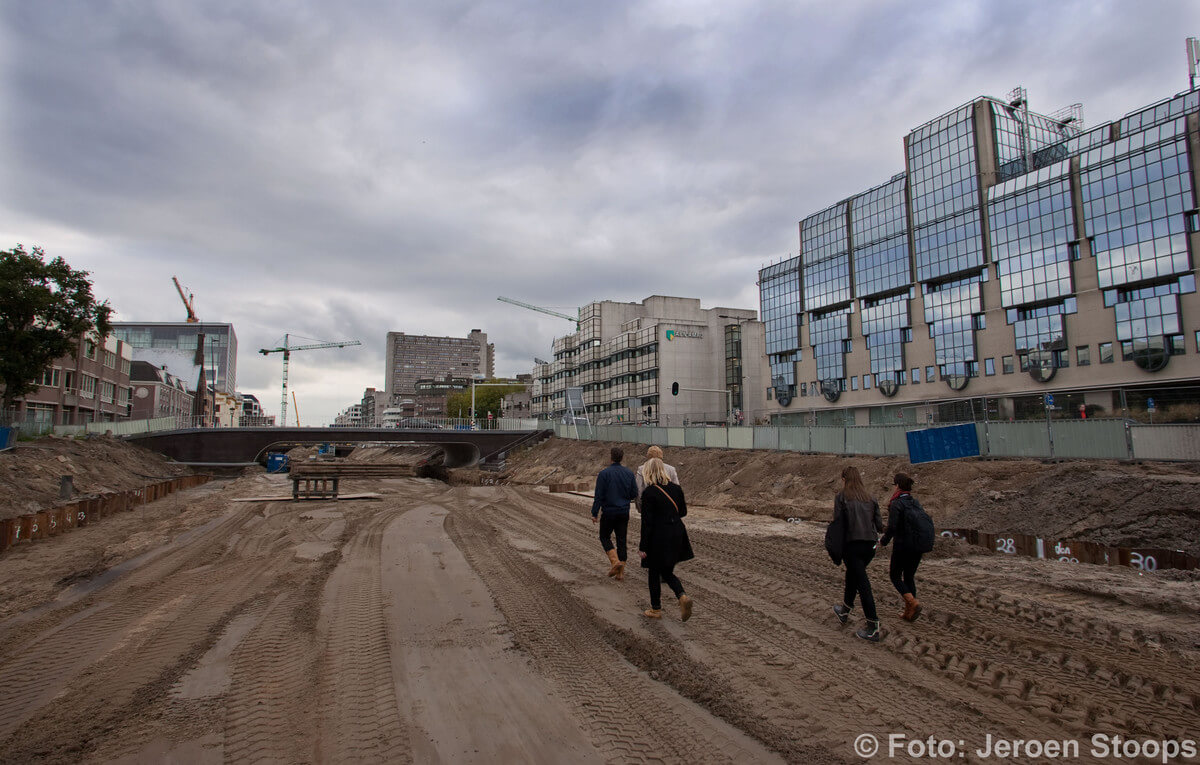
(539, 309)
(286, 350)
(188, 302)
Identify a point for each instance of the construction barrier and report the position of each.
(1074, 551)
(87, 510)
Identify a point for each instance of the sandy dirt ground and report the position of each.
(476, 624)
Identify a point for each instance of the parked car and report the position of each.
(416, 423)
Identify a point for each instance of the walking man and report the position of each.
(615, 488)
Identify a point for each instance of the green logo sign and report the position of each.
(670, 334)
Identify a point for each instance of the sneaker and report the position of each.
(653, 613)
(842, 611)
(685, 607)
(869, 632)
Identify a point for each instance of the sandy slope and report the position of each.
(475, 624)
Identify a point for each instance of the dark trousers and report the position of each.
(610, 524)
(653, 577)
(857, 555)
(904, 571)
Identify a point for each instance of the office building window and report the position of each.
(1006, 365)
(854, 383)
(949, 308)
(886, 326)
(1083, 356)
(825, 258)
(1106, 353)
(866, 382)
(916, 375)
(878, 223)
(989, 367)
(1032, 228)
(50, 377)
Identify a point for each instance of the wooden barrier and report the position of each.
(84, 512)
(1074, 551)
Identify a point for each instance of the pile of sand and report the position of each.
(1151, 505)
(31, 472)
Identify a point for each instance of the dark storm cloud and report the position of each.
(341, 170)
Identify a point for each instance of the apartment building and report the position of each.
(409, 358)
(91, 386)
(158, 393)
(628, 357)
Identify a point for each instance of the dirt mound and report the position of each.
(1100, 501)
(31, 472)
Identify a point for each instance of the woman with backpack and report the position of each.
(857, 522)
(912, 528)
(664, 538)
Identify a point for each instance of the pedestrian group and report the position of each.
(852, 538)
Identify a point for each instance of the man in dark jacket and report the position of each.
(615, 489)
(903, 570)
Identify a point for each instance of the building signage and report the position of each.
(674, 333)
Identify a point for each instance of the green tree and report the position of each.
(44, 309)
(487, 399)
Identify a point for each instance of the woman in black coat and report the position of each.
(664, 538)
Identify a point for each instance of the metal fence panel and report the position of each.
(676, 437)
(895, 440)
(795, 439)
(658, 436)
(766, 438)
(864, 439)
(694, 437)
(1094, 439)
(1017, 439)
(1165, 442)
(630, 434)
(741, 438)
(828, 439)
(716, 438)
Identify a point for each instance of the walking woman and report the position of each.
(857, 514)
(664, 538)
(911, 527)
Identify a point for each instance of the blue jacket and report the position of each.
(615, 489)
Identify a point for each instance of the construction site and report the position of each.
(465, 616)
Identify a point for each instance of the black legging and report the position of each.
(857, 555)
(610, 524)
(653, 576)
(904, 571)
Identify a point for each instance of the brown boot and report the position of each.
(616, 564)
(620, 575)
(912, 607)
(653, 613)
(685, 607)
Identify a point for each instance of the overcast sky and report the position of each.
(341, 170)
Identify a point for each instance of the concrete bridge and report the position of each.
(241, 446)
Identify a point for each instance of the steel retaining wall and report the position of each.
(1165, 442)
(86, 511)
(1073, 551)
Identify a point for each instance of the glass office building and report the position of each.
(220, 347)
(1016, 255)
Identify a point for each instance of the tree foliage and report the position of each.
(487, 399)
(44, 309)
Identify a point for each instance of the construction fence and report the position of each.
(33, 527)
(1061, 439)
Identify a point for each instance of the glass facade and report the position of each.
(993, 191)
(779, 296)
(220, 343)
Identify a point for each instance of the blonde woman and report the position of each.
(664, 538)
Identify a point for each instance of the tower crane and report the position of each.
(286, 350)
(188, 302)
(539, 309)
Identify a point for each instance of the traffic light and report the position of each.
(674, 389)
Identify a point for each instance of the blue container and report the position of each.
(948, 443)
(277, 462)
(8, 436)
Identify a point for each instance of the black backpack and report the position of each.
(918, 526)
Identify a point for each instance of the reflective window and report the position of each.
(1006, 364)
(866, 382)
(827, 333)
(949, 310)
(1170, 109)
(880, 238)
(930, 373)
(1146, 314)
(1083, 356)
(885, 325)
(989, 367)
(1106, 353)
(1040, 330)
(916, 375)
(825, 257)
(1032, 226)
(942, 168)
(779, 295)
(949, 246)
(1047, 139)
(1135, 193)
